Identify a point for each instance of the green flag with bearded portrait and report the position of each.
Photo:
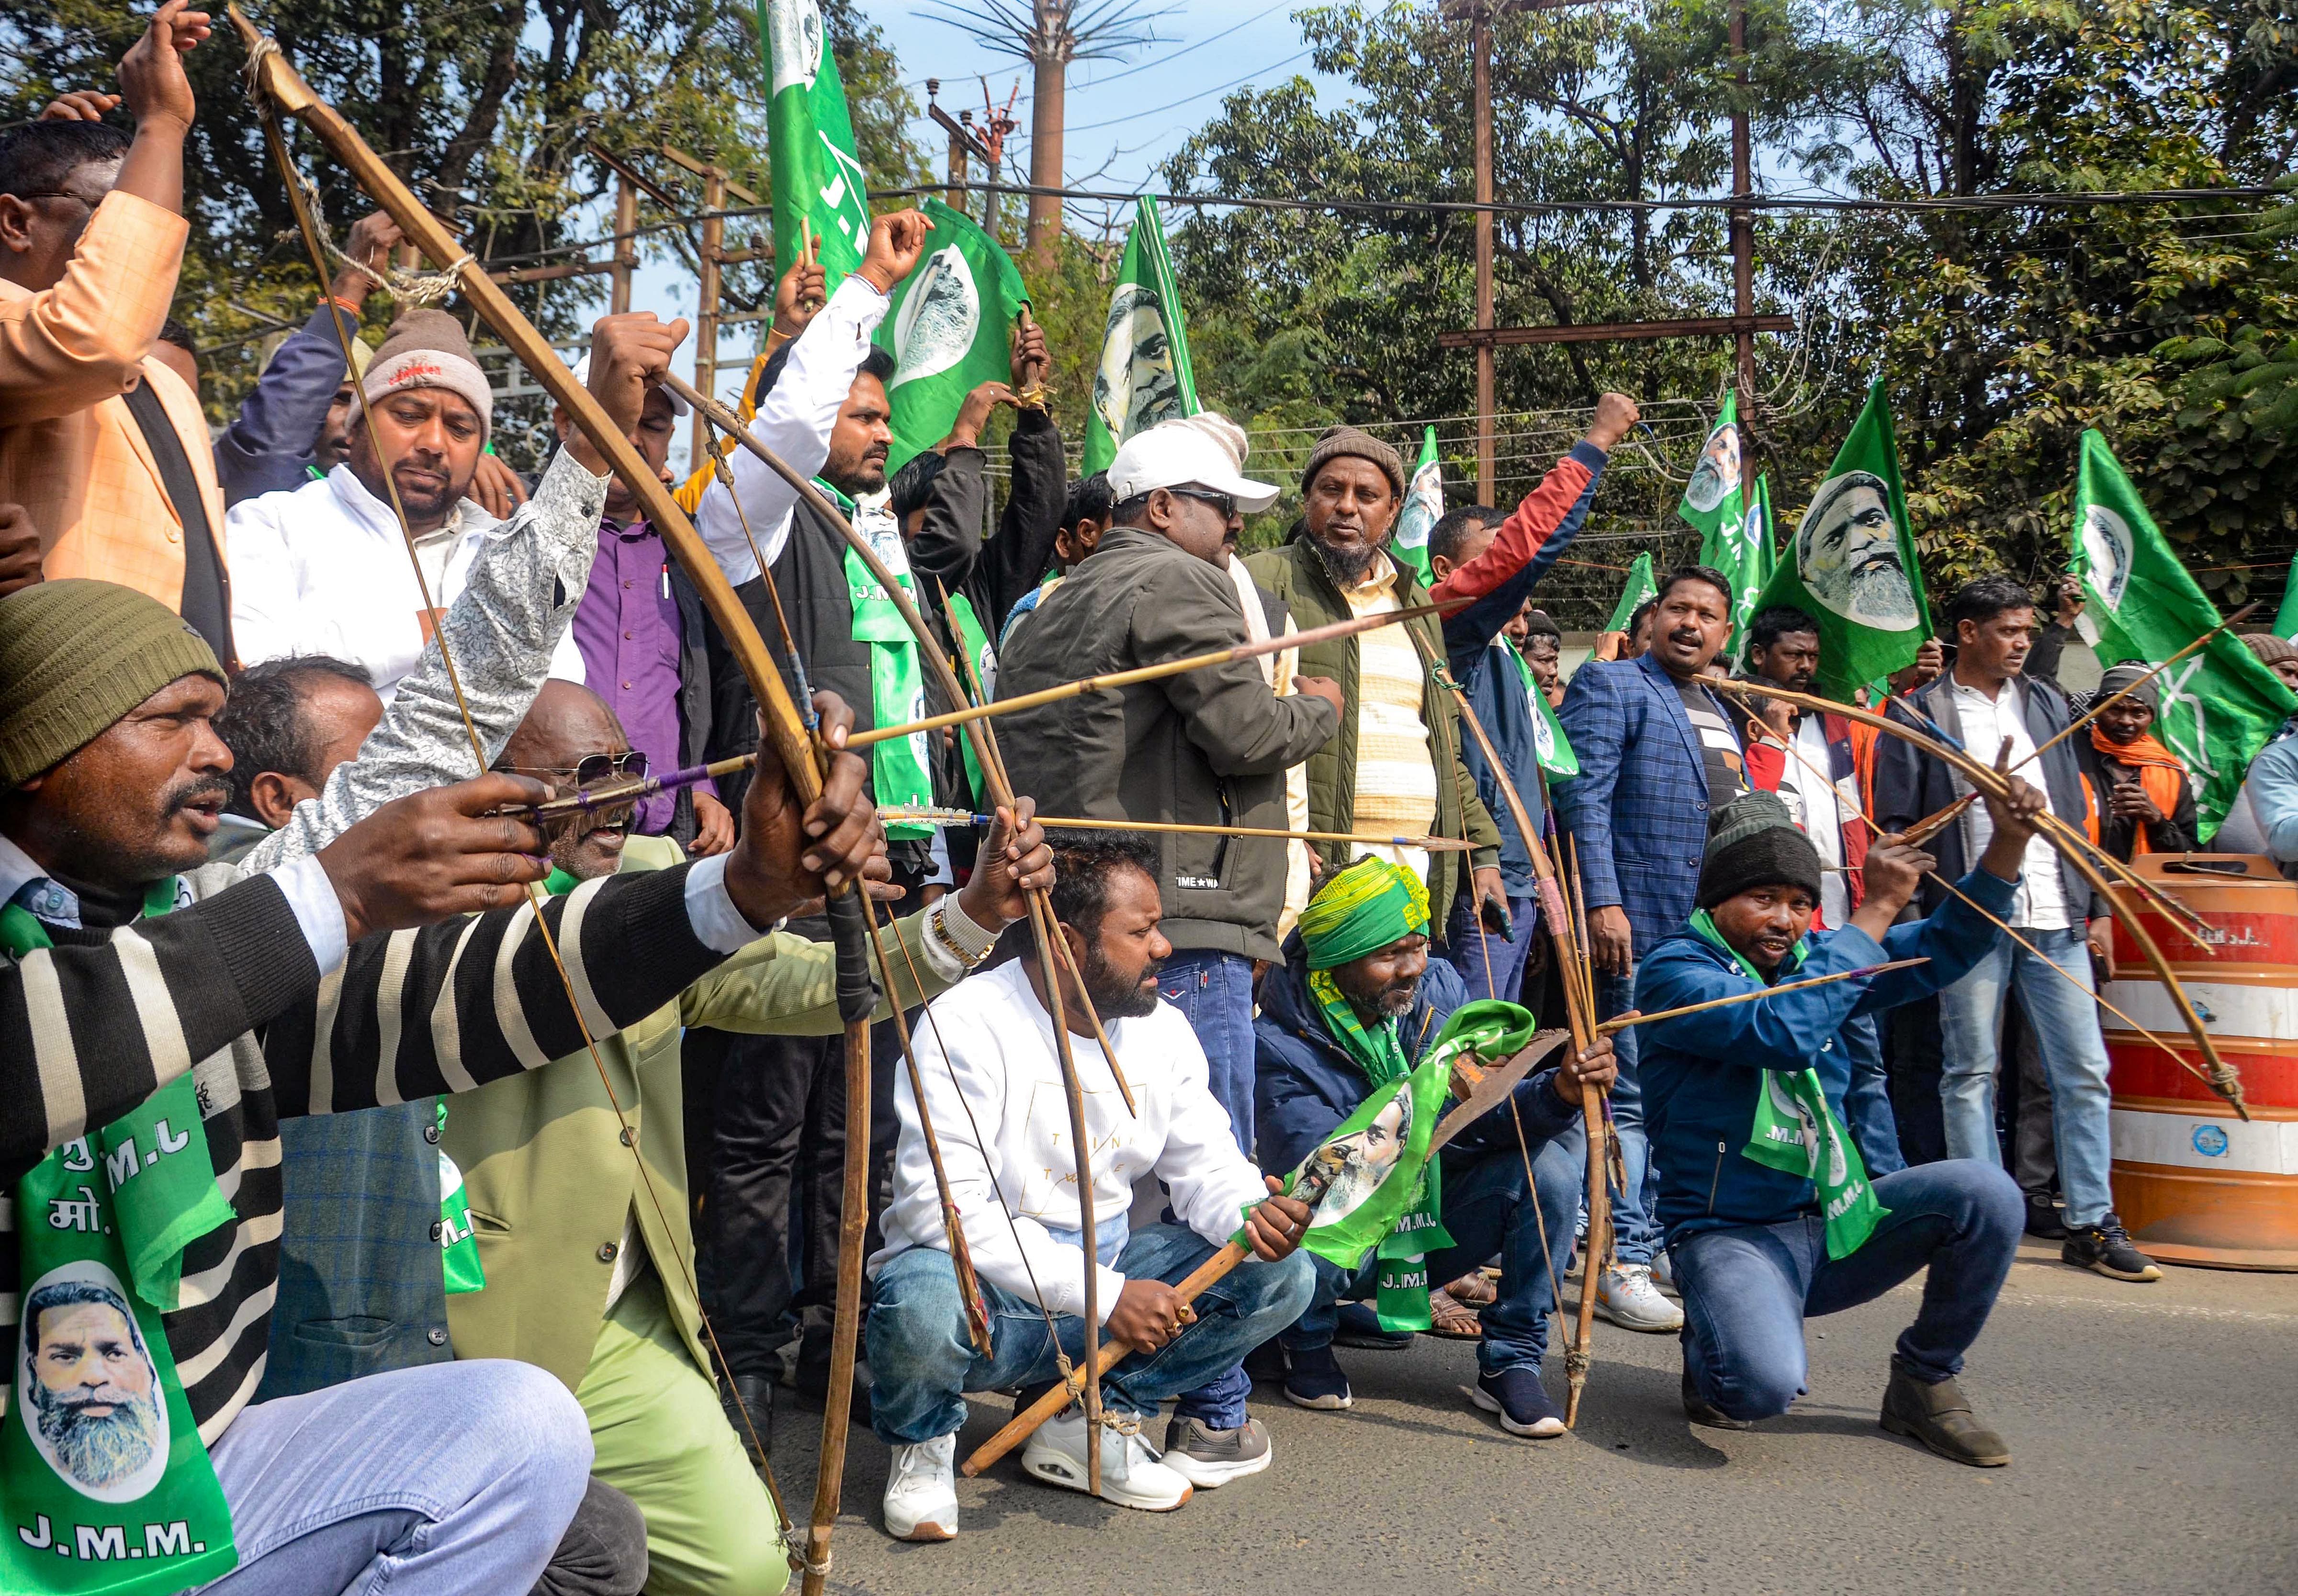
(1424, 507)
(1144, 376)
(2219, 704)
(1853, 567)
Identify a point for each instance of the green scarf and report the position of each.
(105, 1256)
(897, 688)
(1796, 1130)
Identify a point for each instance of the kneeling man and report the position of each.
(1769, 1212)
(993, 1085)
(1357, 1004)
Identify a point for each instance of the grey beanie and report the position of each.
(1755, 842)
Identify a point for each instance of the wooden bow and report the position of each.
(1991, 783)
(273, 80)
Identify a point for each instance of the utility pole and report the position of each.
(962, 144)
(1481, 46)
(1743, 231)
(705, 319)
(626, 247)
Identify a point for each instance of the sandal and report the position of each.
(1450, 1319)
(1475, 1289)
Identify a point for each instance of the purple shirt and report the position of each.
(627, 629)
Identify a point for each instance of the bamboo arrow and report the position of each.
(2223, 1080)
(1613, 1027)
(273, 80)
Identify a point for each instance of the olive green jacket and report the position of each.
(1296, 578)
(547, 1175)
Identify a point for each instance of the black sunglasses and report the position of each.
(594, 768)
(1224, 503)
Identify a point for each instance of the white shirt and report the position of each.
(1813, 803)
(323, 569)
(1001, 1056)
(794, 420)
(2041, 904)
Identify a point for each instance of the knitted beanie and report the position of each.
(77, 655)
(1336, 442)
(1755, 843)
(2140, 679)
(426, 349)
(2269, 648)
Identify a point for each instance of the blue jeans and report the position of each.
(1747, 1290)
(449, 1478)
(1633, 1223)
(2065, 1020)
(1492, 965)
(1214, 992)
(1485, 1212)
(924, 1361)
(1867, 1100)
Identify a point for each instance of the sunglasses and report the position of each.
(594, 768)
(1224, 504)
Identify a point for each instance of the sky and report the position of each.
(1124, 115)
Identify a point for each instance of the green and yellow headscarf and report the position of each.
(1362, 910)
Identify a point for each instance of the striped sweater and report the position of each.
(228, 989)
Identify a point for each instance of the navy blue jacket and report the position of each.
(1699, 1073)
(271, 444)
(1638, 808)
(1304, 1084)
(1472, 639)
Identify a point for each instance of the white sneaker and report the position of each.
(922, 1493)
(1132, 1474)
(1627, 1297)
(1663, 1273)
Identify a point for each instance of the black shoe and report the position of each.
(1940, 1417)
(756, 1394)
(2043, 1217)
(814, 1388)
(1313, 1379)
(1265, 1364)
(1520, 1401)
(2106, 1249)
(1701, 1410)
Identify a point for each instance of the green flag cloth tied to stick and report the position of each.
(1550, 747)
(105, 1485)
(1853, 570)
(1387, 1193)
(1733, 524)
(1641, 585)
(1144, 376)
(1424, 507)
(948, 330)
(818, 181)
(2219, 704)
(1796, 1130)
(899, 767)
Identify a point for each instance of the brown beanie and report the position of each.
(1336, 442)
(426, 349)
(77, 655)
(2271, 649)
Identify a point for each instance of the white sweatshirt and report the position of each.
(1000, 1045)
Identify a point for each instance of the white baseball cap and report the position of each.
(678, 406)
(1204, 450)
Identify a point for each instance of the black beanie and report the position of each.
(1755, 843)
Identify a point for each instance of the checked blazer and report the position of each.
(1638, 810)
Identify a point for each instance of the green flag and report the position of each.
(1144, 377)
(948, 330)
(1855, 570)
(1641, 585)
(2286, 624)
(1714, 498)
(2219, 706)
(1424, 507)
(818, 181)
(1550, 747)
(1742, 549)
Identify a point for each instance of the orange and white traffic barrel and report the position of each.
(2195, 1183)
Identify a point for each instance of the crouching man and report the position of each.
(993, 1091)
(1746, 1105)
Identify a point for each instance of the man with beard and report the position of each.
(1658, 759)
(1988, 702)
(323, 569)
(1772, 1217)
(990, 1065)
(1396, 766)
(1848, 550)
(779, 1107)
(94, 1392)
(1356, 1003)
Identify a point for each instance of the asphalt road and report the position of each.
(2153, 1432)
